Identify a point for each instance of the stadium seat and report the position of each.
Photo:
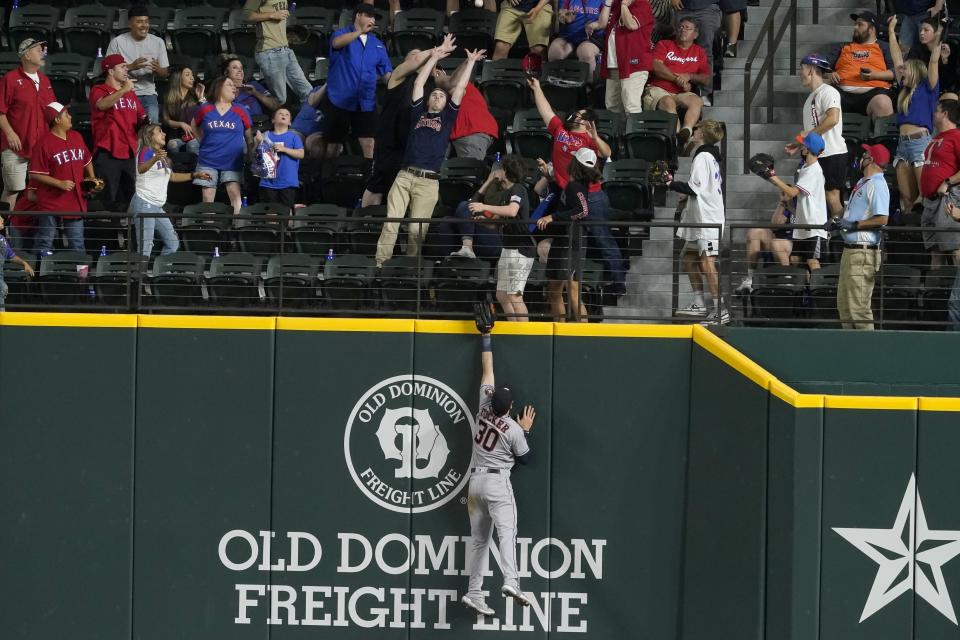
(196, 30)
(196, 63)
(234, 280)
(564, 83)
(37, 21)
(474, 29)
(404, 283)
(344, 185)
(80, 110)
(61, 278)
(529, 136)
(314, 232)
(117, 278)
(535, 293)
(823, 295)
(937, 287)
(348, 281)
(365, 228)
(591, 287)
(459, 179)
(416, 29)
(609, 126)
(319, 23)
(291, 281)
(459, 282)
(9, 60)
(503, 83)
(67, 73)
(241, 36)
(896, 296)
(857, 129)
(627, 189)
(318, 74)
(651, 135)
(262, 237)
(87, 29)
(20, 286)
(777, 291)
(161, 18)
(175, 279)
(205, 227)
(886, 131)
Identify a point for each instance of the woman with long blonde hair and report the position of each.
(919, 90)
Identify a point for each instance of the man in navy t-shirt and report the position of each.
(431, 120)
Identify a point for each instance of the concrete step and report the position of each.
(734, 114)
(782, 83)
(764, 131)
(823, 32)
(827, 15)
(734, 98)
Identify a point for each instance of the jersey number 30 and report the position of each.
(487, 438)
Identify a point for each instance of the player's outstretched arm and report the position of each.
(486, 359)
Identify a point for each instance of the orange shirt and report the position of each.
(853, 57)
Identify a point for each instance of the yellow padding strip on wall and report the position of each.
(700, 335)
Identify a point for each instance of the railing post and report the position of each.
(793, 38)
(772, 65)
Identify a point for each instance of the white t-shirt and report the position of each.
(152, 185)
(811, 203)
(815, 109)
(707, 206)
(151, 48)
(36, 79)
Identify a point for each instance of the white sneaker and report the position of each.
(516, 594)
(692, 310)
(707, 100)
(477, 605)
(464, 252)
(746, 285)
(721, 316)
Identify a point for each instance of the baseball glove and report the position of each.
(659, 174)
(484, 316)
(92, 185)
(761, 164)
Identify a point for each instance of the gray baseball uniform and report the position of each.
(497, 442)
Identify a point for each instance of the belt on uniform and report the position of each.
(915, 136)
(861, 245)
(422, 173)
(487, 470)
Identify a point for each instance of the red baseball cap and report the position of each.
(52, 110)
(111, 61)
(878, 152)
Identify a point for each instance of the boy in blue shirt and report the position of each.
(417, 185)
(283, 189)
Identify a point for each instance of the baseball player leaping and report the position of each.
(498, 442)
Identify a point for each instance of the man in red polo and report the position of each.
(116, 115)
(23, 93)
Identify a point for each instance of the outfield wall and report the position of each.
(203, 477)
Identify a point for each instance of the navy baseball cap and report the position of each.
(502, 399)
(367, 10)
(866, 16)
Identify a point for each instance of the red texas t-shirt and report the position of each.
(691, 60)
(63, 160)
(565, 144)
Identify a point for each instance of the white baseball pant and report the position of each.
(491, 503)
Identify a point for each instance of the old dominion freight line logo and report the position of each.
(407, 443)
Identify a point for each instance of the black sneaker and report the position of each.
(730, 51)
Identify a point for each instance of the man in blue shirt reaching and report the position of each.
(358, 59)
(417, 185)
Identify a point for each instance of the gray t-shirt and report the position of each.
(151, 48)
(497, 442)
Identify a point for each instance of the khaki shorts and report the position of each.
(513, 269)
(653, 95)
(14, 171)
(511, 20)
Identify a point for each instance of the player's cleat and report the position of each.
(477, 605)
(692, 310)
(463, 252)
(516, 594)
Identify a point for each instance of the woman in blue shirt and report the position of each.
(579, 31)
(224, 132)
(919, 90)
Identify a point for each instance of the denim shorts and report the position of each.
(911, 151)
(219, 176)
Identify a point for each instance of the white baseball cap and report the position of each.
(586, 157)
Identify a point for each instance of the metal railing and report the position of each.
(766, 71)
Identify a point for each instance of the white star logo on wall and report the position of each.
(909, 545)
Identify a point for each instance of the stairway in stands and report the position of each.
(649, 282)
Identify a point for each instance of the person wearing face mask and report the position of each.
(919, 88)
(417, 185)
(579, 131)
(866, 213)
(148, 58)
